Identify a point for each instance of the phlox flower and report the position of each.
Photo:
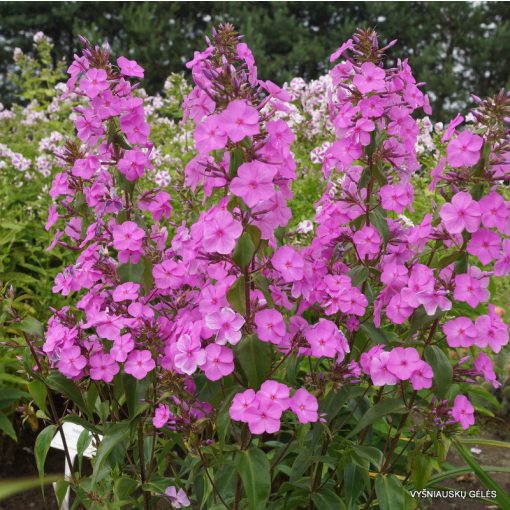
(189, 354)
(289, 263)
(463, 412)
(86, 167)
(352, 301)
(486, 369)
(379, 371)
(395, 276)
(270, 326)
(126, 292)
(219, 362)
(139, 363)
(460, 332)
(484, 244)
(102, 367)
(494, 211)
(133, 164)
(326, 340)
(464, 150)
(422, 376)
(239, 120)
(254, 182)
(178, 498)
(396, 197)
(403, 362)
(129, 67)
(305, 406)
(263, 415)
(240, 404)
(277, 392)
(398, 310)
(209, 135)
(121, 347)
(471, 287)
(492, 331)
(161, 417)
(169, 274)
(462, 213)
(127, 236)
(502, 264)
(94, 82)
(221, 233)
(227, 324)
(71, 362)
(367, 241)
(347, 45)
(370, 78)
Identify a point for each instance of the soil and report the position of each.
(17, 461)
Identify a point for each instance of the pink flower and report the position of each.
(270, 326)
(102, 367)
(305, 406)
(133, 164)
(471, 287)
(379, 371)
(484, 244)
(326, 340)
(464, 150)
(494, 211)
(130, 67)
(209, 135)
(221, 233)
(289, 263)
(352, 301)
(126, 292)
(86, 167)
(169, 274)
(502, 265)
(370, 78)
(227, 325)
(122, 346)
(254, 182)
(396, 197)
(403, 362)
(161, 416)
(219, 362)
(127, 236)
(94, 82)
(139, 363)
(264, 415)
(422, 377)
(178, 498)
(240, 120)
(460, 332)
(189, 355)
(486, 369)
(367, 241)
(240, 404)
(398, 310)
(462, 213)
(71, 362)
(492, 331)
(277, 392)
(463, 412)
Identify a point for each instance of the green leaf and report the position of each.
(326, 499)
(41, 448)
(379, 221)
(236, 159)
(135, 392)
(244, 250)
(61, 491)
(358, 275)
(113, 437)
(502, 497)
(31, 326)
(6, 426)
(253, 467)
(255, 358)
(9, 395)
(370, 453)
(39, 393)
(380, 410)
(236, 296)
(421, 470)
(390, 493)
(9, 488)
(131, 272)
(443, 371)
(58, 382)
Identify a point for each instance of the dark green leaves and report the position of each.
(244, 251)
(42, 446)
(254, 358)
(443, 371)
(253, 467)
(6, 426)
(390, 493)
(236, 296)
(380, 410)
